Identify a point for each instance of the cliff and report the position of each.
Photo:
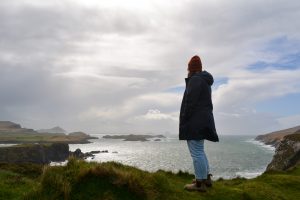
(34, 153)
(287, 153)
(274, 138)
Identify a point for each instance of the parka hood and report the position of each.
(206, 76)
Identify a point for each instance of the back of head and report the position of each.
(195, 65)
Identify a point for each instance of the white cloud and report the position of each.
(101, 65)
(246, 88)
(155, 114)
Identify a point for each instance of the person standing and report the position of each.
(196, 122)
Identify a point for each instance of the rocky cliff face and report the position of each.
(35, 153)
(287, 153)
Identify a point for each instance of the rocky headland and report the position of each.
(133, 137)
(34, 153)
(287, 154)
(42, 153)
(13, 133)
(274, 138)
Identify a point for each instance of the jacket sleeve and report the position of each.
(193, 92)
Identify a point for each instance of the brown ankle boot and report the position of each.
(208, 181)
(199, 186)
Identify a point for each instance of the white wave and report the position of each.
(249, 174)
(64, 163)
(261, 144)
(6, 145)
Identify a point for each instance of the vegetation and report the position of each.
(82, 180)
(11, 132)
(28, 137)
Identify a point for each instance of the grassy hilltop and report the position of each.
(82, 180)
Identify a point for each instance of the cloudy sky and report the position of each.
(115, 66)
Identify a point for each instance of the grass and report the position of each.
(17, 180)
(111, 180)
(24, 137)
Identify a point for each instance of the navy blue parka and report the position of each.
(196, 112)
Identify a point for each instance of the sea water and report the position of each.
(233, 156)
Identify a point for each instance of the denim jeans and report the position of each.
(200, 161)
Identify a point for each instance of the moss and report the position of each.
(29, 170)
(293, 137)
(15, 185)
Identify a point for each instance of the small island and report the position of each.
(132, 137)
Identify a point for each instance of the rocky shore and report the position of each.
(35, 153)
(42, 153)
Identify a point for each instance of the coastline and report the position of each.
(131, 153)
(176, 156)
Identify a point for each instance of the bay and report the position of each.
(233, 156)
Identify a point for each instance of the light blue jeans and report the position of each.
(200, 161)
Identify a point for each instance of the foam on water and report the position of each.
(261, 144)
(249, 174)
(6, 145)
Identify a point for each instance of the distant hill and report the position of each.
(5, 125)
(275, 137)
(13, 128)
(55, 129)
(13, 133)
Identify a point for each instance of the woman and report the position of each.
(197, 121)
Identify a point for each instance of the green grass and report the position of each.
(17, 181)
(39, 138)
(90, 181)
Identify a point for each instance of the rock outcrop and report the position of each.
(35, 153)
(287, 154)
(80, 155)
(42, 153)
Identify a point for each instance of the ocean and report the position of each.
(233, 156)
